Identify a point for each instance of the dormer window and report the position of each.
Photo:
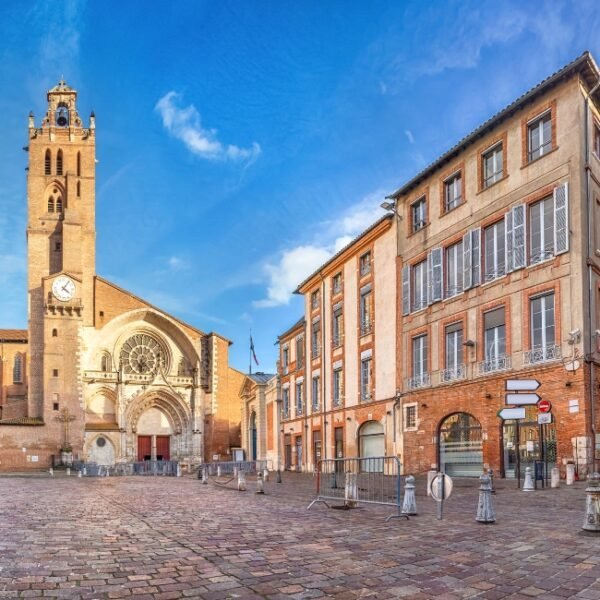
(62, 116)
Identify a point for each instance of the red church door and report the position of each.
(144, 447)
(163, 447)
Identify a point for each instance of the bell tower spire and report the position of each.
(60, 229)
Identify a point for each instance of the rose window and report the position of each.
(142, 355)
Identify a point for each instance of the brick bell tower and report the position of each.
(61, 257)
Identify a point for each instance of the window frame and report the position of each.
(457, 249)
(406, 425)
(543, 298)
(420, 345)
(545, 116)
(448, 181)
(366, 311)
(315, 396)
(366, 382)
(337, 386)
(299, 391)
(365, 263)
(337, 327)
(422, 287)
(542, 254)
(418, 225)
(596, 139)
(493, 150)
(498, 256)
(336, 284)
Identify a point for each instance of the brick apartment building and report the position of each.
(497, 264)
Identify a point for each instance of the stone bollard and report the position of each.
(265, 474)
(278, 478)
(85, 470)
(178, 470)
(68, 471)
(205, 476)
(107, 471)
(591, 522)
(491, 475)
(259, 484)
(235, 471)
(485, 507)
(218, 470)
(555, 477)
(528, 485)
(351, 491)
(200, 471)
(409, 505)
(430, 477)
(79, 474)
(570, 473)
(51, 471)
(242, 481)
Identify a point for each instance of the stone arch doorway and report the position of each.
(154, 435)
(371, 443)
(253, 436)
(460, 445)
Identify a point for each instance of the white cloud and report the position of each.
(185, 125)
(296, 264)
(176, 263)
(409, 136)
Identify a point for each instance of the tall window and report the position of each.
(18, 369)
(539, 137)
(59, 205)
(365, 264)
(597, 140)
(418, 214)
(314, 300)
(454, 269)
(51, 204)
(59, 163)
(336, 283)
(419, 294)
(314, 338)
(452, 192)
(494, 340)
(543, 336)
(316, 382)
(299, 398)
(410, 416)
(454, 352)
(541, 230)
(48, 163)
(337, 387)
(492, 165)
(299, 352)
(285, 397)
(285, 358)
(419, 361)
(365, 379)
(78, 164)
(78, 189)
(105, 363)
(366, 312)
(337, 327)
(495, 257)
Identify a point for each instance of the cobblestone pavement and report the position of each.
(162, 538)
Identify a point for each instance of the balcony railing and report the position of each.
(542, 354)
(453, 374)
(366, 327)
(418, 381)
(491, 365)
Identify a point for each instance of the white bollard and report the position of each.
(178, 470)
(205, 476)
(68, 471)
(570, 473)
(265, 474)
(409, 505)
(259, 484)
(528, 485)
(555, 477)
(79, 474)
(430, 477)
(107, 472)
(241, 481)
(235, 471)
(591, 521)
(85, 470)
(485, 507)
(51, 471)
(351, 490)
(218, 470)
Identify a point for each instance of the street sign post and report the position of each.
(512, 413)
(440, 488)
(544, 406)
(522, 399)
(522, 385)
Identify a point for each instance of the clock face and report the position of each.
(63, 288)
(142, 355)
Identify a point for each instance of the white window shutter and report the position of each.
(508, 244)
(561, 219)
(519, 258)
(467, 272)
(475, 256)
(429, 278)
(435, 274)
(406, 289)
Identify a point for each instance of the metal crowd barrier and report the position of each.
(229, 468)
(360, 481)
(148, 467)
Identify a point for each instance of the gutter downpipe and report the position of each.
(323, 369)
(589, 353)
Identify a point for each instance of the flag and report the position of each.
(252, 350)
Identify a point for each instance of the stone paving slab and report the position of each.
(167, 538)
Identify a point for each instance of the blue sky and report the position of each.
(241, 143)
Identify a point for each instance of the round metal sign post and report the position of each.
(441, 488)
(544, 406)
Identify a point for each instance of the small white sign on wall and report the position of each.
(573, 406)
(35, 459)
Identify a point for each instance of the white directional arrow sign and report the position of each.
(522, 385)
(512, 413)
(522, 399)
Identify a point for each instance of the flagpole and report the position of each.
(250, 362)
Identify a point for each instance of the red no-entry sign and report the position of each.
(544, 406)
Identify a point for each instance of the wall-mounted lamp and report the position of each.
(391, 207)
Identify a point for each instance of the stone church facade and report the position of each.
(99, 370)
